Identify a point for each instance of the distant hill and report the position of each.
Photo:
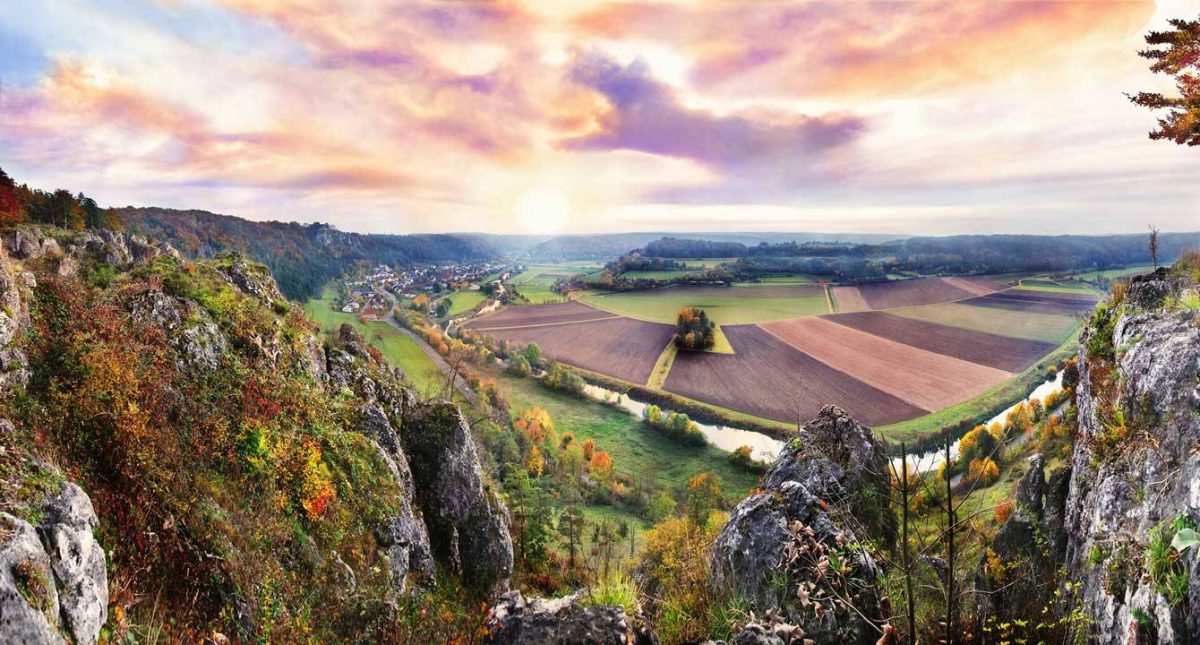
(303, 257)
(610, 245)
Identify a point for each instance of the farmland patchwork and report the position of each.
(941, 341)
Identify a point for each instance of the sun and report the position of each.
(543, 209)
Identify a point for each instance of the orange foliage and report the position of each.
(535, 464)
(316, 485)
(601, 464)
(589, 449)
(1002, 511)
(535, 424)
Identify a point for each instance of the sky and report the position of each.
(582, 116)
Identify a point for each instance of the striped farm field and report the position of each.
(1034, 302)
(922, 378)
(993, 350)
(768, 378)
(907, 293)
(1028, 325)
(620, 347)
(538, 315)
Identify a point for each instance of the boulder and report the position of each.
(818, 501)
(515, 620)
(53, 580)
(78, 563)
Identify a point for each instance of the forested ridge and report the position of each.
(302, 257)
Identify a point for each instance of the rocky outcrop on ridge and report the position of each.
(515, 620)
(827, 488)
(1136, 471)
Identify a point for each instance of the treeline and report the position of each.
(21, 204)
(958, 254)
(302, 257)
(673, 247)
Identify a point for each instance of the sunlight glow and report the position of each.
(543, 209)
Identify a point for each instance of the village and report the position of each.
(440, 290)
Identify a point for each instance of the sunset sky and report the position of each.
(921, 117)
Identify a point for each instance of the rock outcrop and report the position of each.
(515, 620)
(826, 491)
(1136, 472)
(452, 514)
(53, 580)
(1017, 577)
(404, 537)
(468, 523)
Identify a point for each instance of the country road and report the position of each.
(438, 360)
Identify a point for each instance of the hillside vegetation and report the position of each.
(250, 482)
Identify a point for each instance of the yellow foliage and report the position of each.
(535, 423)
(535, 464)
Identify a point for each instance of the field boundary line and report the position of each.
(549, 324)
(829, 300)
(666, 360)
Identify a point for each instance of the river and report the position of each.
(934, 458)
(762, 447)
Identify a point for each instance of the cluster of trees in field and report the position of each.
(675, 425)
(21, 204)
(694, 330)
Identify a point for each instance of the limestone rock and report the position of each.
(1119, 496)
(53, 580)
(29, 608)
(515, 620)
(468, 523)
(813, 499)
(78, 563)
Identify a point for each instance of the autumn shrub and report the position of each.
(1004, 508)
(675, 571)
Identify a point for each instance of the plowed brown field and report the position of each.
(620, 347)
(923, 378)
(770, 379)
(1000, 352)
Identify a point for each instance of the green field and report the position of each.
(1113, 273)
(400, 349)
(657, 275)
(725, 305)
(636, 449)
(540, 295)
(1051, 286)
(464, 301)
(1050, 328)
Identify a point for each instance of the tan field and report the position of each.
(922, 378)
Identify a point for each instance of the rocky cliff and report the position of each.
(797, 548)
(1134, 493)
(265, 484)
